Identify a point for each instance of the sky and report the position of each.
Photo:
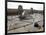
(14, 5)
